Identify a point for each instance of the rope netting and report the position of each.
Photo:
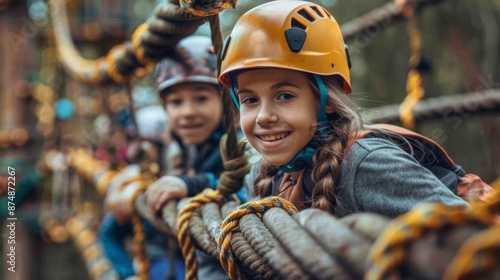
(268, 239)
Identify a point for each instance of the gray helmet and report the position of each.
(193, 60)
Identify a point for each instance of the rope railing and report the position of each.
(443, 107)
(382, 17)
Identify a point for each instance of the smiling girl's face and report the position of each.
(278, 111)
(194, 110)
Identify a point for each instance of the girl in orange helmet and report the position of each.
(287, 69)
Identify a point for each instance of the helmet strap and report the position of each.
(233, 95)
(323, 97)
(302, 159)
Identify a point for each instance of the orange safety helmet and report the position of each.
(295, 35)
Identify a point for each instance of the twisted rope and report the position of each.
(204, 8)
(251, 250)
(231, 180)
(169, 215)
(414, 88)
(461, 105)
(233, 157)
(141, 209)
(150, 42)
(382, 17)
(388, 252)
(232, 152)
(310, 245)
(416, 238)
(87, 243)
(479, 254)
(89, 167)
(184, 231)
(139, 236)
(231, 222)
(258, 261)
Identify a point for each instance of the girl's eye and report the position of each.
(248, 100)
(174, 102)
(284, 96)
(201, 99)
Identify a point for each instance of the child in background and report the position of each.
(287, 68)
(144, 156)
(187, 83)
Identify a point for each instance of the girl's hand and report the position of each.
(164, 189)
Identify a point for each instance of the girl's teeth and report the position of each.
(273, 137)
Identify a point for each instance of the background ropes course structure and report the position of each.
(258, 239)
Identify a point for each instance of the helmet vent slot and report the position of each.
(327, 13)
(297, 24)
(315, 9)
(306, 15)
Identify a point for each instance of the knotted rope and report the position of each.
(266, 239)
(184, 230)
(232, 221)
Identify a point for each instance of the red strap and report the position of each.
(472, 187)
(406, 132)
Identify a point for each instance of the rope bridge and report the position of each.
(268, 239)
(258, 240)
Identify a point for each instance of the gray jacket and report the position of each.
(376, 176)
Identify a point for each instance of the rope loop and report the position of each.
(231, 222)
(184, 236)
(203, 9)
(388, 251)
